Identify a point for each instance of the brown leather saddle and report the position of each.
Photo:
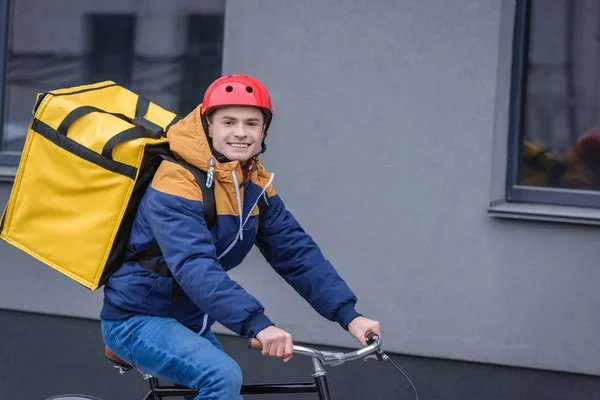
(115, 359)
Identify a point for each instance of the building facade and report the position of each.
(443, 154)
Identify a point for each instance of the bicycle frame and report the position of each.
(319, 359)
(320, 386)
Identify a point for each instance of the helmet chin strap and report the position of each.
(263, 145)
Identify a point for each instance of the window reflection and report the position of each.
(561, 139)
(167, 51)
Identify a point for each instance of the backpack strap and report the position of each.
(208, 194)
(141, 108)
(141, 130)
(147, 257)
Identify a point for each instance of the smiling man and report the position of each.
(169, 336)
(236, 131)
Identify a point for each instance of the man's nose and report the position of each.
(239, 131)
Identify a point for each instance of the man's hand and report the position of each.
(361, 326)
(276, 343)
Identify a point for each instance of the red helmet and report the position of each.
(236, 89)
(588, 147)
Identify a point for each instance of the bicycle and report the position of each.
(320, 359)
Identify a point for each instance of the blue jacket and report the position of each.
(170, 215)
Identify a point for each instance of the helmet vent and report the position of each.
(229, 89)
(249, 89)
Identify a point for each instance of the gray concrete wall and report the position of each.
(382, 148)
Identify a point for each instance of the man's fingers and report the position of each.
(289, 350)
(280, 348)
(273, 349)
(275, 343)
(376, 328)
(266, 348)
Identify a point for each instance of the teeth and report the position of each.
(240, 145)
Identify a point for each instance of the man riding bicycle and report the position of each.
(160, 323)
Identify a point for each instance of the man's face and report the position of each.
(237, 131)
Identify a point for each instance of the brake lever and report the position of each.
(378, 355)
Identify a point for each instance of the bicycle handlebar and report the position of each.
(330, 357)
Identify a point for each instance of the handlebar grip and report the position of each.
(371, 337)
(255, 344)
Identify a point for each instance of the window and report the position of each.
(110, 47)
(203, 54)
(554, 141)
(167, 51)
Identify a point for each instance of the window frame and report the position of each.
(515, 192)
(8, 161)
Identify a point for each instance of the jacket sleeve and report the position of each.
(298, 259)
(186, 244)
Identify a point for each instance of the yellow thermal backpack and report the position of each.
(89, 155)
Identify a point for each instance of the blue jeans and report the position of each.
(165, 349)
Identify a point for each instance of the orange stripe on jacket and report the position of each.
(171, 178)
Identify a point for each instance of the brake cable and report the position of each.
(381, 356)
